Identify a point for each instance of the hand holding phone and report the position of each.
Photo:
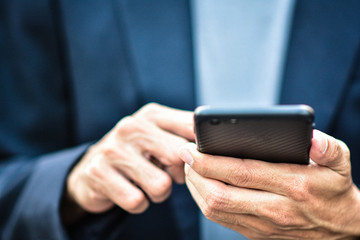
(279, 133)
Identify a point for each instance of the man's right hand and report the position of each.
(136, 161)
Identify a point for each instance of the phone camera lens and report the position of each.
(214, 121)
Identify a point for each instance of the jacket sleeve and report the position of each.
(30, 194)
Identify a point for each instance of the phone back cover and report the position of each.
(273, 138)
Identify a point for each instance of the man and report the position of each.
(84, 67)
(240, 48)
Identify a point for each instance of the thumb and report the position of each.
(330, 152)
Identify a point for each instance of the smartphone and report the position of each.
(280, 134)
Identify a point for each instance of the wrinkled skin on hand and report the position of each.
(264, 200)
(133, 163)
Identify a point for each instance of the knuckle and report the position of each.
(152, 106)
(204, 168)
(280, 215)
(335, 151)
(214, 204)
(93, 196)
(94, 166)
(130, 129)
(126, 121)
(134, 203)
(282, 220)
(149, 109)
(107, 153)
(342, 147)
(265, 211)
(299, 189)
(240, 176)
(208, 212)
(127, 125)
(267, 231)
(216, 200)
(161, 187)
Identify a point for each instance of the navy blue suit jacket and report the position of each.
(69, 70)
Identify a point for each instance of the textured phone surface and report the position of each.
(269, 136)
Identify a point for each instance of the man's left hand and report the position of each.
(282, 201)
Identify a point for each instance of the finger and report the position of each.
(105, 180)
(247, 173)
(163, 146)
(253, 227)
(330, 152)
(266, 232)
(177, 173)
(151, 179)
(122, 192)
(266, 214)
(209, 195)
(81, 188)
(213, 196)
(173, 120)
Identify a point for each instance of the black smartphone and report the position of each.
(280, 133)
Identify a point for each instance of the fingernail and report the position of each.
(324, 145)
(323, 141)
(186, 157)
(187, 169)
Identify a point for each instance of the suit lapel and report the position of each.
(123, 54)
(102, 87)
(322, 49)
(159, 39)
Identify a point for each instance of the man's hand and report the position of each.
(282, 201)
(136, 161)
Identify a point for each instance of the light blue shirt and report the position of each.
(240, 48)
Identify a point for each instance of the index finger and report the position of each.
(173, 120)
(247, 173)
